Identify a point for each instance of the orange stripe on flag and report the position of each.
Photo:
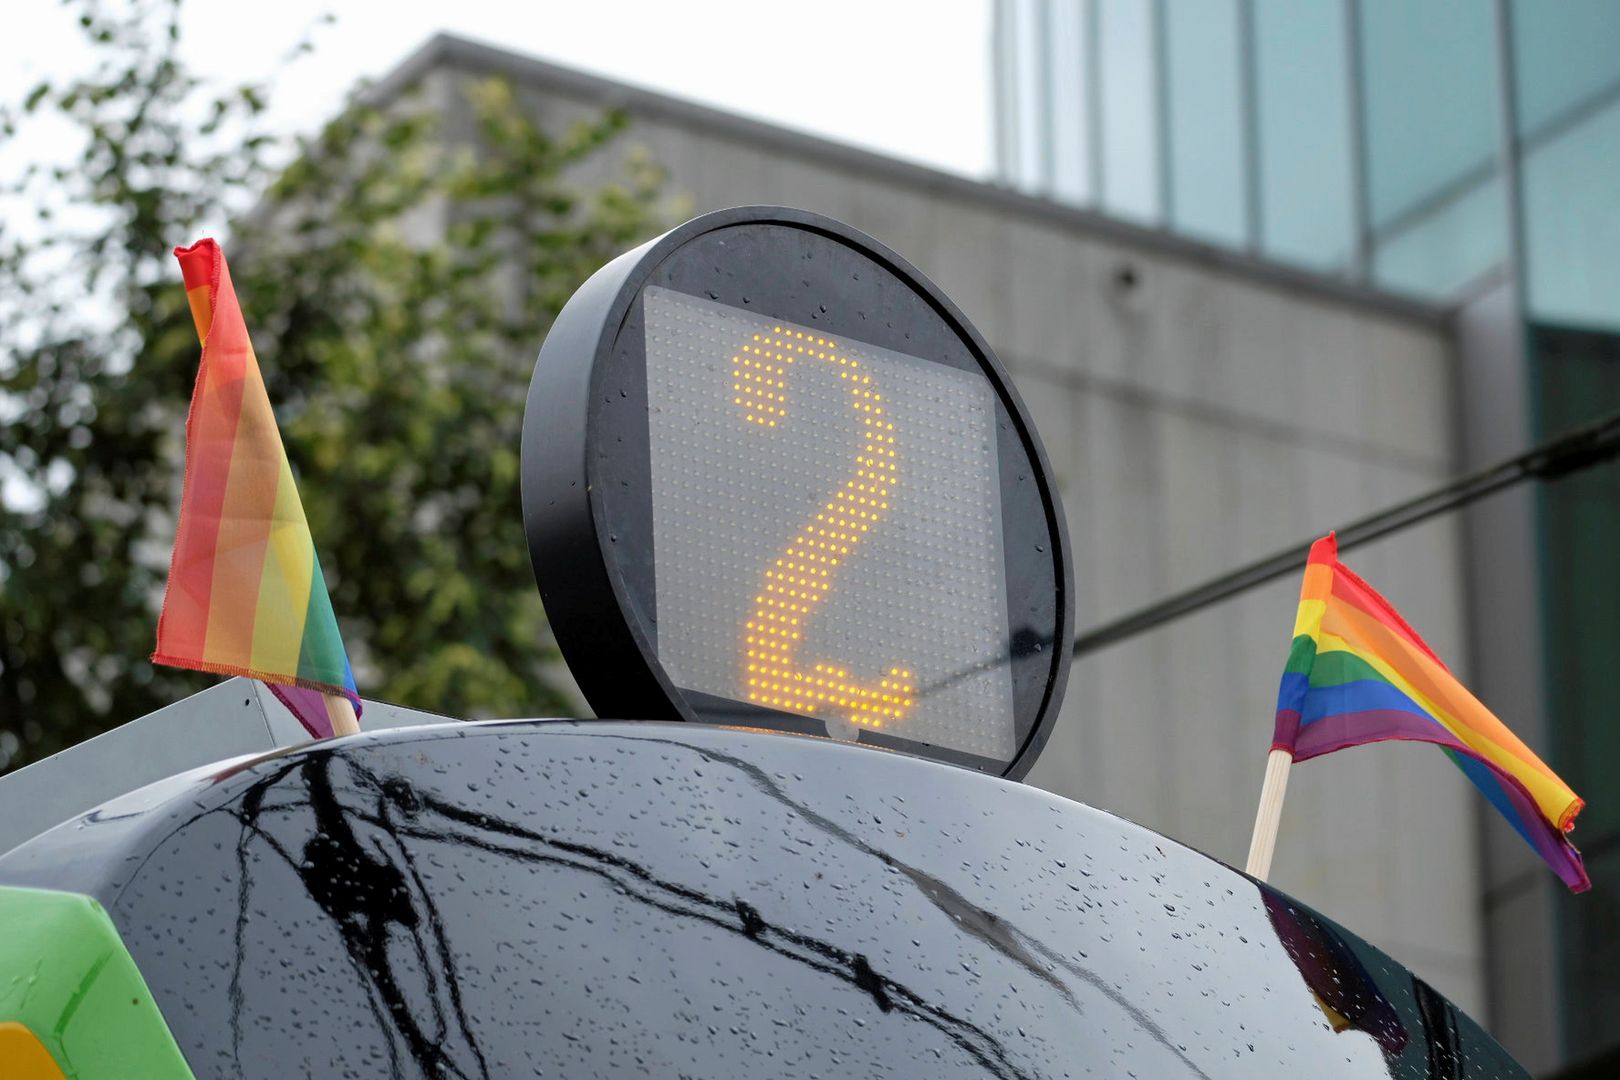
(1358, 594)
(250, 501)
(210, 437)
(202, 311)
(1459, 709)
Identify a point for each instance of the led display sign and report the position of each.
(771, 477)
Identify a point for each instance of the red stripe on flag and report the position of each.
(1364, 598)
(1325, 552)
(199, 265)
(216, 405)
(242, 532)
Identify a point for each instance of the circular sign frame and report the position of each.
(586, 467)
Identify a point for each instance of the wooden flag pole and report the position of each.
(344, 722)
(1269, 815)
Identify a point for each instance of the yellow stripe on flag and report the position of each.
(1551, 795)
(250, 498)
(289, 567)
(1308, 620)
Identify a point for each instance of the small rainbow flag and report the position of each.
(1357, 673)
(245, 594)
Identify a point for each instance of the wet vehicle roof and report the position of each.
(604, 899)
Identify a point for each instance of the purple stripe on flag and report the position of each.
(309, 706)
(1330, 733)
(1549, 843)
(1285, 735)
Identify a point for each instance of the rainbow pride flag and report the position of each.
(1357, 673)
(245, 594)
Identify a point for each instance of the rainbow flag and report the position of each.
(1357, 673)
(245, 594)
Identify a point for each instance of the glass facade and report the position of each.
(1303, 139)
(1434, 198)
(1128, 109)
(1208, 173)
(1358, 138)
(1566, 62)
(1427, 148)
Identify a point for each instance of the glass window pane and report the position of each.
(1572, 223)
(1565, 54)
(1439, 252)
(1130, 151)
(1430, 107)
(1429, 80)
(1032, 106)
(1567, 69)
(1071, 126)
(1203, 54)
(1303, 104)
(1003, 87)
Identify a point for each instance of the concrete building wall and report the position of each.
(1200, 411)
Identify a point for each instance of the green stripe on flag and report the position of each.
(321, 656)
(1338, 668)
(1302, 656)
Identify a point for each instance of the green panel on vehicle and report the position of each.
(66, 976)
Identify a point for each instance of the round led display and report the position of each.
(772, 477)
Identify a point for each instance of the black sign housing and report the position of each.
(789, 280)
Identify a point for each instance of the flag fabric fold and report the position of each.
(1357, 673)
(245, 594)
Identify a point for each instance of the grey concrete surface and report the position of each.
(233, 718)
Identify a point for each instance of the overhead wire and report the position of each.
(1571, 452)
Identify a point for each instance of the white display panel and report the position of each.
(827, 527)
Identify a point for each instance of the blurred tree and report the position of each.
(397, 282)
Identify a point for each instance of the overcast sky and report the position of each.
(907, 77)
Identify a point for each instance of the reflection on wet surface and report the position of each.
(1352, 999)
(597, 900)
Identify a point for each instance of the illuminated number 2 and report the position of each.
(803, 576)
